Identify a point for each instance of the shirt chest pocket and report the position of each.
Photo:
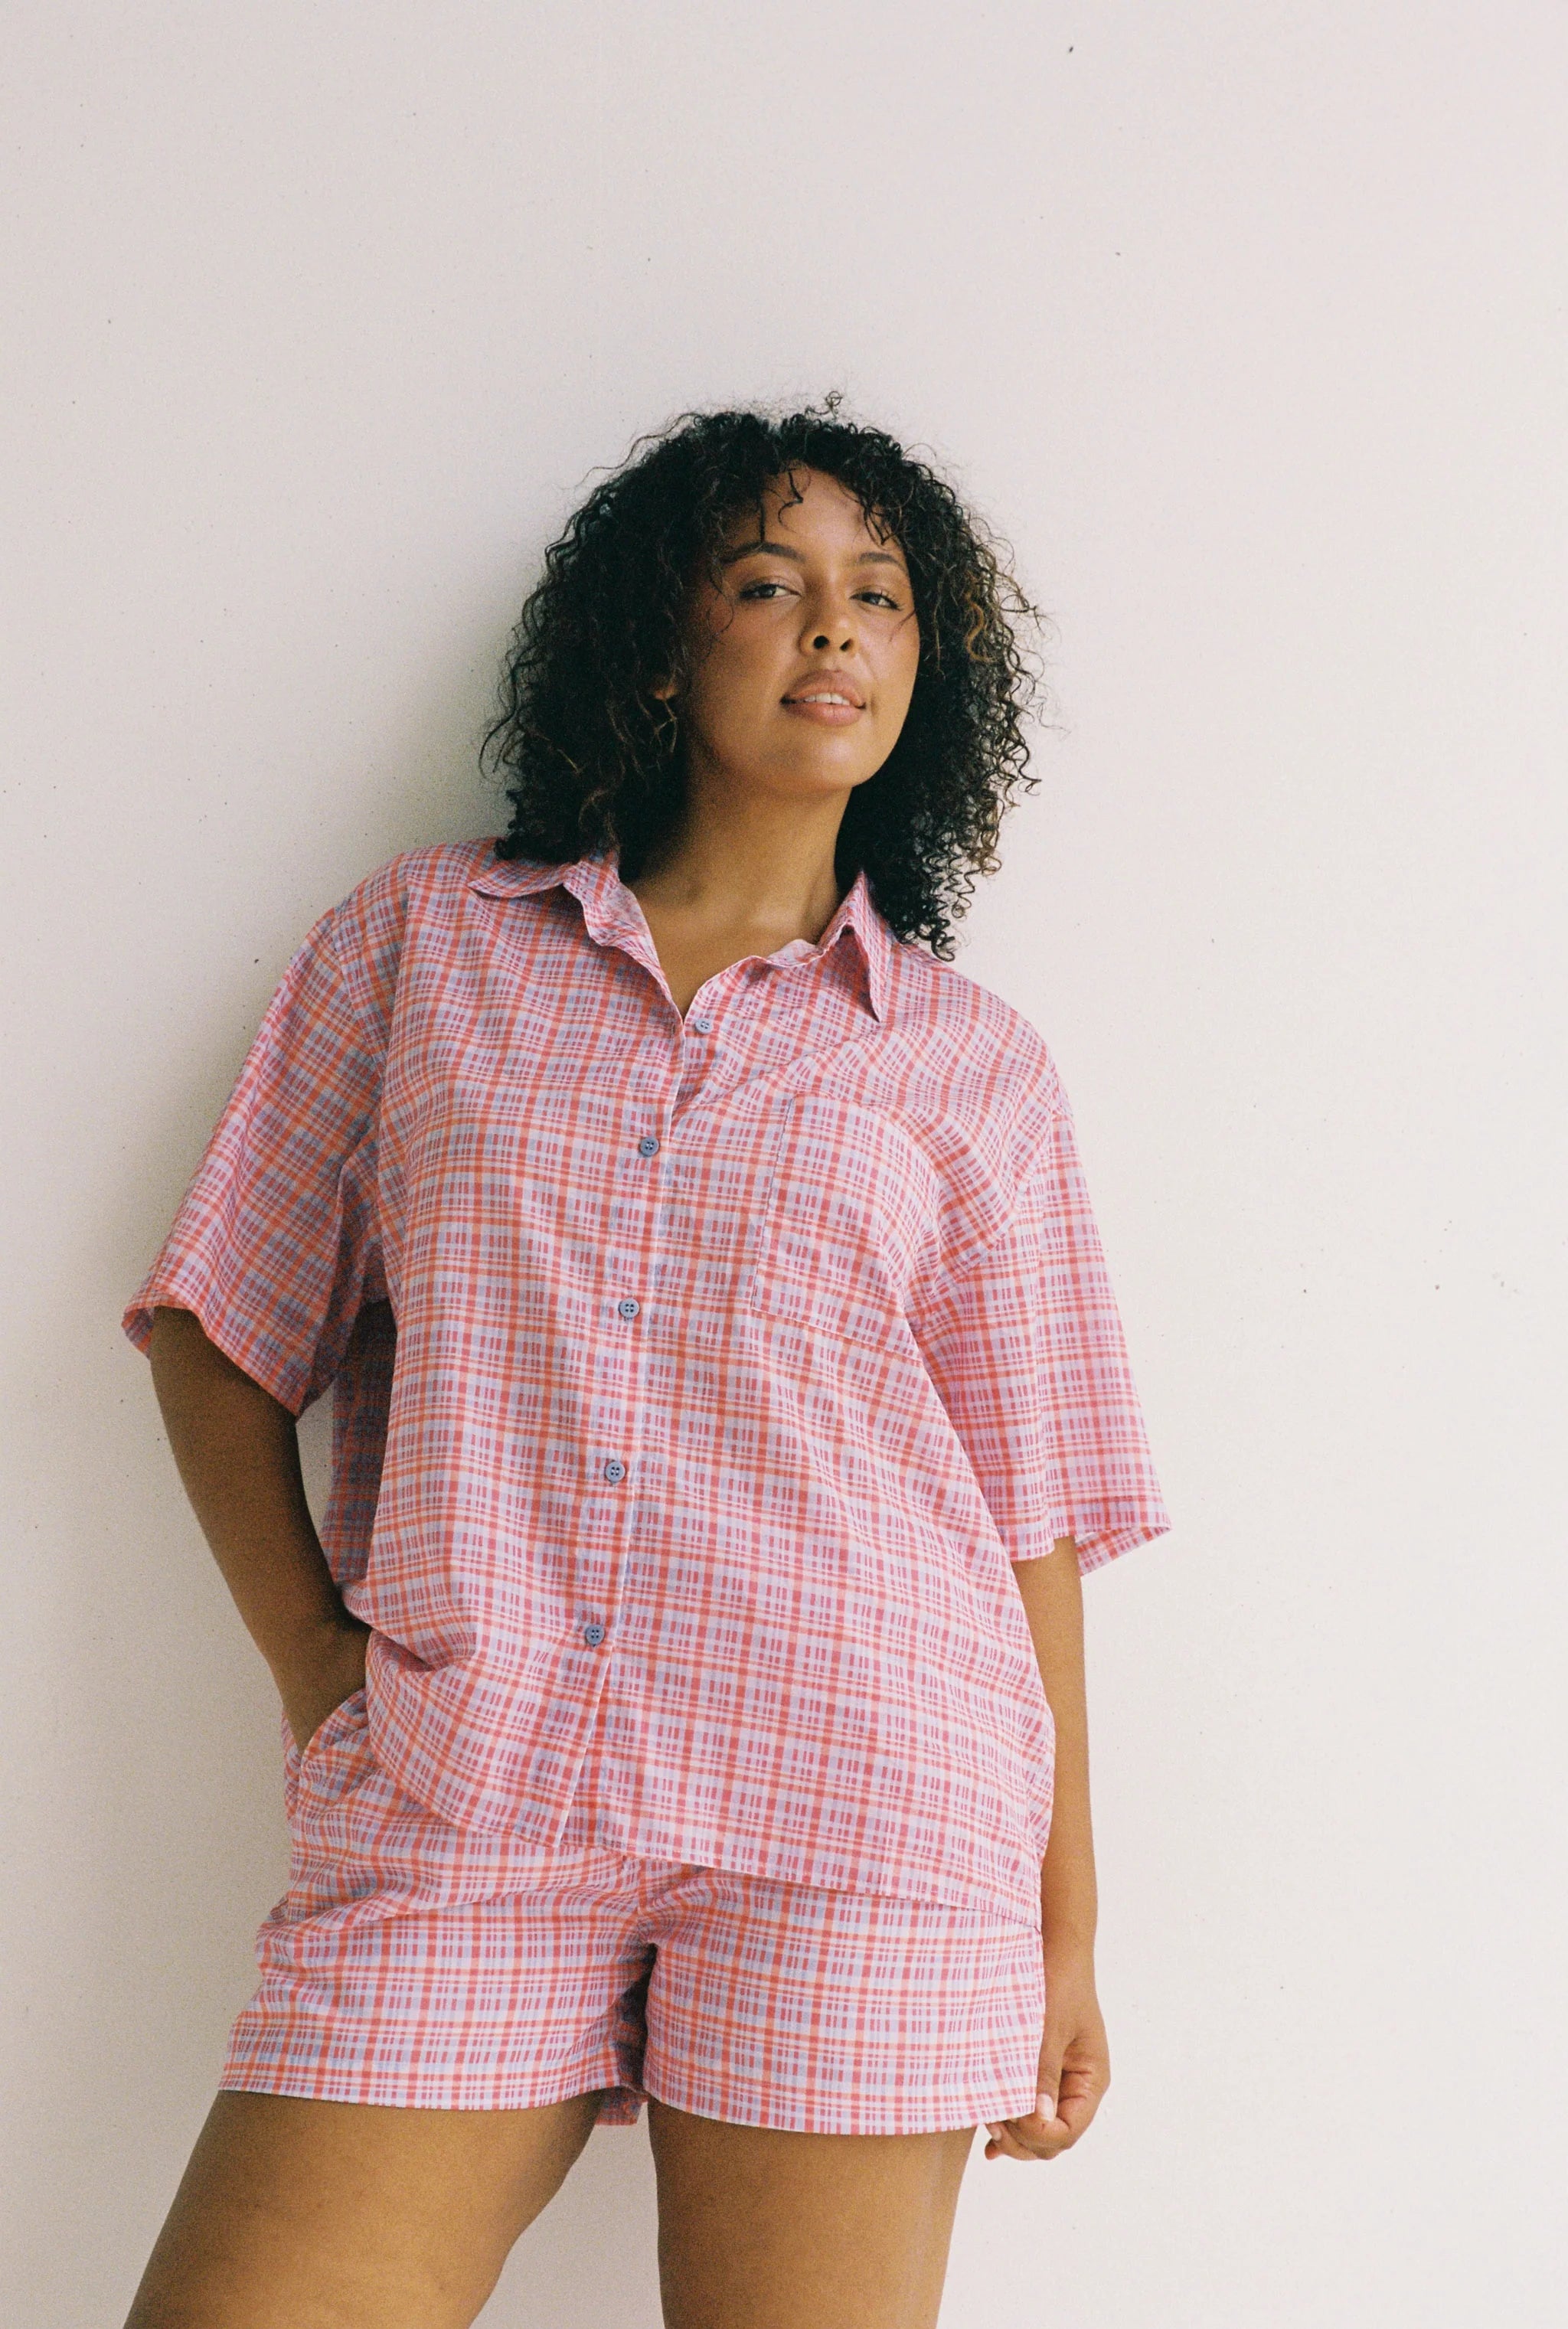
(847, 1210)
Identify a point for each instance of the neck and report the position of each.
(766, 864)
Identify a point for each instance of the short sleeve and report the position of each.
(275, 1245)
(1026, 1349)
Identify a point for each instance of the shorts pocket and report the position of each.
(331, 1741)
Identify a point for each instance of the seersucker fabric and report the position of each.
(695, 1379)
(412, 1965)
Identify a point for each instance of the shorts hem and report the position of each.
(897, 2115)
(619, 2106)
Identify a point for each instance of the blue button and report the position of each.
(593, 1635)
(648, 1145)
(704, 1025)
(627, 1307)
(614, 1469)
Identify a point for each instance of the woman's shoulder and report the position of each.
(979, 1078)
(367, 931)
(961, 1018)
(413, 883)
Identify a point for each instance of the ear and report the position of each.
(663, 691)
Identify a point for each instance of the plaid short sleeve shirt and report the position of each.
(695, 1379)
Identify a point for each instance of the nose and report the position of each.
(829, 626)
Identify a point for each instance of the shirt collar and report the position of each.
(613, 913)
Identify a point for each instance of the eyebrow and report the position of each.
(783, 549)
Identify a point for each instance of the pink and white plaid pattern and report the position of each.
(735, 1357)
(411, 1962)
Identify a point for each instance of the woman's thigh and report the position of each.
(296, 2214)
(760, 2228)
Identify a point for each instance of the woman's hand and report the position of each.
(319, 1677)
(1074, 2064)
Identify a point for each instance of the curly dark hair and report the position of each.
(589, 758)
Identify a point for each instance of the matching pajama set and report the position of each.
(694, 1382)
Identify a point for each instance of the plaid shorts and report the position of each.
(416, 1963)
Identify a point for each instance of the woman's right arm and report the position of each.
(238, 1454)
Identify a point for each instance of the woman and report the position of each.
(684, 1698)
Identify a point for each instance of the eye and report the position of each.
(755, 589)
(887, 600)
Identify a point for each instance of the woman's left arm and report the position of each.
(1074, 2058)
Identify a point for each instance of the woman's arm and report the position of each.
(238, 1454)
(1052, 1591)
(1074, 2058)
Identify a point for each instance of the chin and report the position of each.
(821, 774)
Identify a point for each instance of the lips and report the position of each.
(826, 687)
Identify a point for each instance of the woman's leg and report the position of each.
(295, 2215)
(763, 2230)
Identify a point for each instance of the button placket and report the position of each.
(593, 1631)
(702, 1051)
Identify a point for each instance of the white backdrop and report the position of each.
(1245, 323)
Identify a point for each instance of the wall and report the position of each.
(1245, 323)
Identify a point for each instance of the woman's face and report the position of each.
(802, 662)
